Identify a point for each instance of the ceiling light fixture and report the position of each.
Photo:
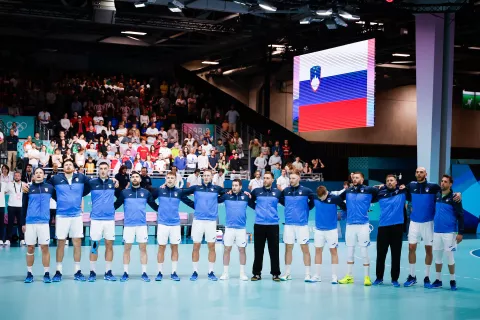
(210, 62)
(401, 62)
(474, 48)
(133, 38)
(173, 8)
(134, 33)
(266, 6)
(243, 3)
(324, 12)
(139, 4)
(400, 55)
(306, 20)
(360, 22)
(347, 15)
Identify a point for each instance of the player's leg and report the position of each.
(413, 236)
(43, 234)
(76, 233)
(108, 261)
(95, 236)
(62, 226)
(350, 241)
(303, 235)
(162, 240)
(438, 249)
(427, 235)
(175, 236)
(241, 241)
(141, 234)
(364, 243)
(128, 239)
(30, 260)
(211, 237)
(382, 249)
(273, 250)
(260, 235)
(332, 240)
(396, 236)
(289, 240)
(451, 261)
(226, 262)
(318, 242)
(197, 235)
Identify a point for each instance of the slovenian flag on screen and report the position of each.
(335, 88)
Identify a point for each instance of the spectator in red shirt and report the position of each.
(143, 150)
(286, 151)
(86, 119)
(153, 154)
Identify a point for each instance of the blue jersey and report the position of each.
(422, 195)
(326, 212)
(298, 203)
(102, 192)
(236, 209)
(358, 199)
(36, 203)
(392, 204)
(264, 201)
(205, 200)
(168, 204)
(448, 214)
(135, 201)
(69, 196)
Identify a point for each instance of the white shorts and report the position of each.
(40, 231)
(139, 233)
(165, 233)
(326, 237)
(102, 229)
(68, 227)
(420, 230)
(445, 241)
(357, 233)
(201, 227)
(299, 233)
(237, 236)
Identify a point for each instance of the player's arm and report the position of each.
(374, 192)
(311, 200)
(251, 201)
(281, 198)
(340, 203)
(86, 185)
(458, 209)
(119, 202)
(187, 201)
(189, 191)
(151, 202)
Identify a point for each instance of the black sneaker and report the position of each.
(256, 277)
(276, 278)
(453, 285)
(426, 282)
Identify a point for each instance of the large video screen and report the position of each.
(335, 88)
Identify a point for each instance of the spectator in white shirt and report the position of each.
(65, 122)
(257, 182)
(173, 133)
(282, 181)
(261, 163)
(152, 133)
(33, 156)
(44, 116)
(192, 160)
(203, 161)
(98, 118)
(194, 179)
(297, 164)
(160, 164)
(219, 178)
(100, 127)
(163, 133)
(207, 147)
(274, 159)
(167, 153)
(144, 118)
(179, 179)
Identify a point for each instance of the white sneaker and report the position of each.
(22, 243)
(1, 243)
(66, 242)
(7, 242)
(224, 276)
(285, 277)
(317, 278)
(308, 278)
(334, 280)
(243, 277)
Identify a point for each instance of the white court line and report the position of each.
(471, 253)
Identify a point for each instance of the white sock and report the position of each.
(307, 270)
(287, 269)
(160, 267)
(427, 270)
(350, 269)
(77, 267)
(59, 267)
(211, 266)
(439, 276)
(144, 268)
(334, 270)
(366, 270)
(46, 269)
(195, 266)
(174, 266)
(225, 269)
(452, 277)
(318, 270)
(242, 269)
(412, 269)
(108, 266)
(29, 269)
(125, 268)
(92, 266)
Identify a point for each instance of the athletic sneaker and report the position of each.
(57, 277)
(395, 284)
(212, 277)
(256, 277)
(22, 243)
(308, 278)
(316, 278)
(46, 278)
(194, 276)
(145, 277)
(346, 280)
(436, 284)
(159, 277)
(243, 277)
(109, 276)
(377, 282)
(367, 282)
(276, 278)
(334, 280)
(174, 277)
(92, 277)
(286, 277)
(453, 285)
(224, 276)
(7, 242)
(29, 278)
(125, 277)
(410, 281)
(1, 242)
(78, 276)
(426, 282)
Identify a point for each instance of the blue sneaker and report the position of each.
(124, 278)
(194, 276)
(79, 276)
(212, 277)
(92, 277)
(426, 282)
(109, 276)
(410, 281)
(46, 278)
(145, 277)
(174, 277)
(436, 284)
(159, 277)
(377, 282)
(395, 284)
(57, 277)
(29, 278)
(453, 285)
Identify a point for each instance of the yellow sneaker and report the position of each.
(367, 282)
(346, 280)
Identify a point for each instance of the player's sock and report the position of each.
(452, 277)
(77, 267)
(242, 269)
(29, 269)
(92, 266)
(334, 270)
(307, 270)
(225, 269)
(174, 266)
(287, 269)
(211, 266)
(318, 269)
(108, 266)
(59, 267)
(427, 270)
(46, 269)
(160, 267)
(366, 270)
(349, 269)
(144, 268)
(439, 276)
(195, 267)
(125, 268)
(412, 269)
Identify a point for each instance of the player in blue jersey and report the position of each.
(236, 204)
(448, 227)
(102, 218)
(298, 203)
(390, 229)
(168, 219)
(135, 200)
(326, 232)
(358, 199)
(35, 218)
(421, 194)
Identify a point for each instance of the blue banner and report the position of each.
(198, 131)
(25, 125)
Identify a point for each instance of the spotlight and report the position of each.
(134, 33)
(324, 12)
(266, 6)
(306, 20)
(347, 15)
(179, 4)
(139, 4)
(210, 62)
(173, 8)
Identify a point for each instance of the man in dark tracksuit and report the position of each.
(390, 229)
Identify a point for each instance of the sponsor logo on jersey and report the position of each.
(141, 194)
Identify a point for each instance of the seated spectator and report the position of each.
(203, 161)
(220, 148)
(317, 165)
(44, 117)
(152, 133)
(160, 164)
(306, 168)
(189, 139)
(219, 178)
(153, 153)
(257, 182)
(57, 158)
(90, 166)
(206, 146)
(194, 179)
(172, 133)
(282, 181)
(65, 123)
(212, 161)
(143, 150)
(297, 164)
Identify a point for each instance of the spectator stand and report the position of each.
(3, 145)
